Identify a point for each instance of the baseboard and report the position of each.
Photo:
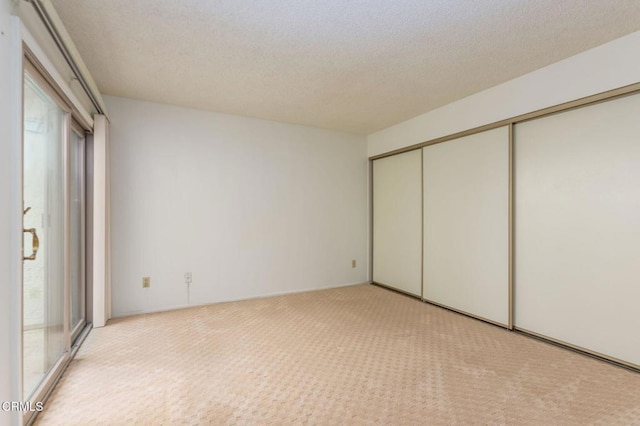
(213, 302)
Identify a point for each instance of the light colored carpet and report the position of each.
(353, 355)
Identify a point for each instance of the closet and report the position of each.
(532, 223)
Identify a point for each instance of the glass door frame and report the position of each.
(76, 330)
(72, 338)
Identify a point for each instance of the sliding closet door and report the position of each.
(397, 221)
(466, 224)
(577, 224)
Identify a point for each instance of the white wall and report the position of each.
(5, 199)
(250, 207)
(100, 253)
(8, 255)
(609, 66)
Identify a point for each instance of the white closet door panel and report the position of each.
(466, 224)
(397, 221)
(577, 227)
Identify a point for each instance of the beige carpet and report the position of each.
(354, 355)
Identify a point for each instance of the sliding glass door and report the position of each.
(54, 234)
(44, 226)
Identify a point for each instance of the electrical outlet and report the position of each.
(187, 278)
(353, 263)
(146, 282)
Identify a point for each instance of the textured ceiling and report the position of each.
(357, 66)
